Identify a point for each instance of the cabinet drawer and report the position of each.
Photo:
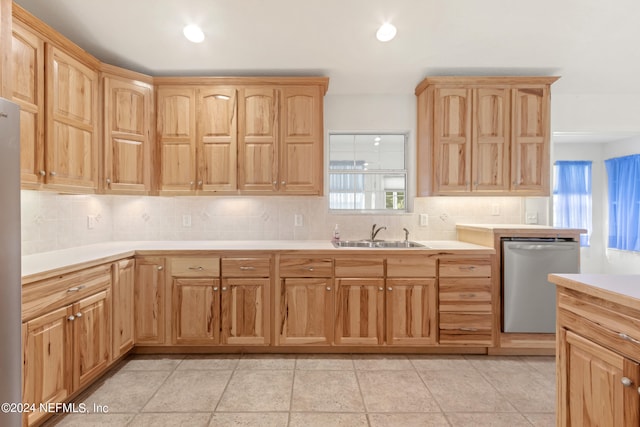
(464, 294)
(359, 267)
(306, 267)
(195, 267)
(47, 295)
(607, 326)
(246, 267)
(411, 267)
(465, 328)
(465, 267)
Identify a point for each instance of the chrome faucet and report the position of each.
(375, 232)
(406, 235)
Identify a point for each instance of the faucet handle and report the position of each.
(406, 234)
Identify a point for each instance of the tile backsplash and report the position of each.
(56, 221)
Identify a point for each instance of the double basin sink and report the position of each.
(378, 244)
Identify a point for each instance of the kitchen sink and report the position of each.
(380, 244)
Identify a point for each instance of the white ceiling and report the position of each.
(593, 44)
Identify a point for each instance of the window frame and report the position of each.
(403, 173)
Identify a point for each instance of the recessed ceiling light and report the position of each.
(386, 32)
(193, 33)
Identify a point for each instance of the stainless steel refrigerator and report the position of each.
(10, 276)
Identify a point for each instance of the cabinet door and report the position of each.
(301, 150)
(245, 311)
(92, 337)
(48, 354)
(359, 311)
(123, 320)
(411, 311)
(28, 93)
(306, 311)
(452, 140)
(491, 136)
(530, 140)
(127, 132)
(176, 117)
(594, 387)
(72, 118)
(195, 311)
(217, 139)
(258, 139)
(149, 301)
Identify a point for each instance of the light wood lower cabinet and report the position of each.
(359, 311)
(306, 311)
(149, 301)
(48, 355)
(245, 311)
(66, 336)
(598, 362)
(196, 311)
(123, 313)
(465, 305)
(411, 311)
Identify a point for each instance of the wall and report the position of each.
(598, 258)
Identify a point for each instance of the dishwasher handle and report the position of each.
(542, 247)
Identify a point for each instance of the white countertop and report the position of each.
(105, 252)
(620, 288)
(511, 227)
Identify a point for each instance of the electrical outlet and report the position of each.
(298, 220)
(531, 217)
(186, 220)
(424, 220)
(91, 222)
(495, 209)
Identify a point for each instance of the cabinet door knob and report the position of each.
(389, 288)
(78, 314)
(381, 289)
(108, 181)
(160, 267)
(215, 288)
(224, 288)
(275, 183)
(626, 382)
(284, 183)
(328, 288)
(52, 173)
(43, 173)
(71, 318)
(200, 183)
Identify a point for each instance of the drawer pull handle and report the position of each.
(468, 295)
(196, 268)
(243, 268)
(628, 338)
(469, 329)
(470, 268)
(310, 268)
(626, 382)
(75, 288)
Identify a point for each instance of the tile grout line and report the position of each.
(364, 404)
(430, 392)
(293, 382)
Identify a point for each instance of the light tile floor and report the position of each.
(323, 390)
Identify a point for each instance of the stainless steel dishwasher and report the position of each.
(528, 299)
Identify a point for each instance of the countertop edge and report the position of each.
(624, 291)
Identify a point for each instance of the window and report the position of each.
(572, 196)
(367, 172)
(624, 202)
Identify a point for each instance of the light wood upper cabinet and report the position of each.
(258, 139)
(176, 122)
(530, 140)
(490, 139)
(452, 139)
(28, 93)
(217, 138)
(127, 135)
(280, 139)
(301, 150)
(71, 122)
(483, 135)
